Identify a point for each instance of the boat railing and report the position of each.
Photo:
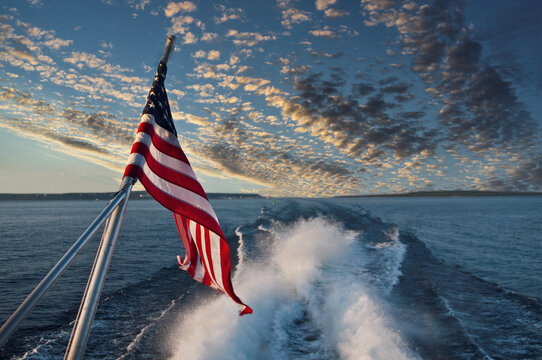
(113, 215)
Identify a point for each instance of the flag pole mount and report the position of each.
(89, 304)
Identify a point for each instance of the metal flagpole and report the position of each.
(56, 272)
(89, 304)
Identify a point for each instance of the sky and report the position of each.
(280, 98)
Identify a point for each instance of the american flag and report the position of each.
(159, 162)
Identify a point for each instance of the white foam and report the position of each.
(48, 347)
(151, 322)
(240, 249)
(394, 258)
(308, 283)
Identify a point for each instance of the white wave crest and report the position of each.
(308, 301)
(240, 249)
(389, 260)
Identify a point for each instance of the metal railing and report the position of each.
(56, 272)
(114, 214)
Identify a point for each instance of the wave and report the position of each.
(450, 313)
(152, 321)
(240, 248)
(127, 323)
(326, 281)
(308, 303)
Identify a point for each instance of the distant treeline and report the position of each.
(450, 193)
(136, 195)
(142, 195)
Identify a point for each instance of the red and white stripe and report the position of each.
(159, 162)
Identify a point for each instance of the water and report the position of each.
(379, 278)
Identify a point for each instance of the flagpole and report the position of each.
(168, 49)
(89, 304)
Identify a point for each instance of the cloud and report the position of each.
(97, 137)
(48, 37)
(57, 43)
(324, 4)
(367, 131)
(481, 110)
(209, 36)
(199, 54)
(37, 33)
(213, 55)
(204, 90)
(527, 176)
(106, 45)
(12, 54)
(101, 125)
(298, 70)
(82, 59)
(189, 38)
(291, 15)
(176, 92)
(320, 54)
(248, 38)
(234, 150)
(336, 13)
(174, 8)
(192, 119)
(486, 114)
(325, 32)
(25, 100)
(362, 89)
(66, 144)
(230, 147)
(140, 4)
(76, 143)
(364, 130)
(400, 88)
(35, 3)
(27, 53)
(227, 14)
(180, 24)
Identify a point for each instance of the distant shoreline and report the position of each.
(136, 195)
(449, 193)
(143, 195)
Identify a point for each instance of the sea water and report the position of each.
(364, 278)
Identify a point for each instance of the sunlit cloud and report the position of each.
(325, 32)
(248, 38)
(291, 15)
(324, 4)
(336, 13)
(299, 104)
(227, 14)
(174, 8)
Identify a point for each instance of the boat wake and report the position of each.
(325, 280)
(307, 298)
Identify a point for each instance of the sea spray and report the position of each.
(240, 249)
(387, 260)
(307, 299)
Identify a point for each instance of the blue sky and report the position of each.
(285, 98)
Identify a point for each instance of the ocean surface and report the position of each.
(360, 278)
